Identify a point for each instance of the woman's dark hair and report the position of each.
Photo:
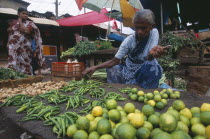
(21, 9)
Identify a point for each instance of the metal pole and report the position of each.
(56, 9)
(161, 15)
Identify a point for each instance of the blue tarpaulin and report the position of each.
(117, 37)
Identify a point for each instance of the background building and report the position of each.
(14, 4)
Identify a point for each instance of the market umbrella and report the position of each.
(125, 8)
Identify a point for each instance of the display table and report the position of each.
(102, 56)
(38, 130)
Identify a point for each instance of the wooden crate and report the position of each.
(195, 91)
(187, 55)
(202, 89)
(199, 71)
(67, 71)
(181, 33)
(205, 81)
(66, 79)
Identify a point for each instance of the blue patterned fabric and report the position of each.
(148, 76)
(137, 69)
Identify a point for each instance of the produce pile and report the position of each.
(7, 73)
(84, 109)
(30, 89)
(86, 48)
(156, 99)
(130, 123)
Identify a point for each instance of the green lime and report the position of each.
(157, 113)
(134, 90)
(199, 137)
(106, 136)
(148, 125)
(154, 120)
(93, 126)
(105, 115)
(162, 135)
(114, 115)
(137, 111)
(94, 135)
(179, 134)
(155, 131)
(149, 96)
(198, 129)
(83, 123)
(125, 131)
(104, 126)
(134, 97)
(124, 120)
(164, 96)
(80, 134)
(178, 105)
(156, 92)
(159, 105)
(143, 133)
(185, 120)
(205, 117)
(195, 110)
(151, 102)
(147, 110)
(164, 101)
(157, 98)
(182, 126)
(195, 120)
(140, 93)
(123, 113)
(141, 99)
(145, 100)
(167, 122)
(173, 95)
(111, 104)
(174, 113)
(71, 130)
(129, 108)
(119, 108)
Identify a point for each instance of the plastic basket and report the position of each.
(63, 69)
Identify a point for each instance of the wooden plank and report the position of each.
(204, 35)
(195, 91)
(199, 71)
(106, 52)
(198, 87)
(205, 51)
(92, 61)
(66, 79)
(205, 81)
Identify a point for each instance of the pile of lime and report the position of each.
(156, 99)
(127, 122)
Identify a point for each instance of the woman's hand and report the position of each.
(158, 51)
(20, 19)
(89, 71)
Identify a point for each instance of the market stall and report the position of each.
(40, 127)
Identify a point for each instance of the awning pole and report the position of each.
(82, 26)
(161, 15)
(108, 30)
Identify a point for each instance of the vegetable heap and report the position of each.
(7, 73)
(30, 89)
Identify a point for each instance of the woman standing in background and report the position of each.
(19, 43)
